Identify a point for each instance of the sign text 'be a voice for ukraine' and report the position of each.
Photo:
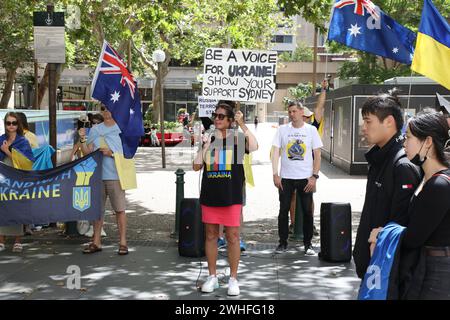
(239, 75)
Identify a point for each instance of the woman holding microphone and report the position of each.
(221, 157)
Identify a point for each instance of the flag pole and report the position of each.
(314, 78)
(410, 85)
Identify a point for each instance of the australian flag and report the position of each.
(115, 87)
(361, 25)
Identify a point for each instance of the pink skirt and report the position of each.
(228, 216)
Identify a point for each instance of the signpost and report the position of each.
(49, 47)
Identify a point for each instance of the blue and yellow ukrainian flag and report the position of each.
(22, 156)
(432, 54)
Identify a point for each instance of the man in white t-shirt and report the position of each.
(299, 171)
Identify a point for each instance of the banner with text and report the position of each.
(70, 192)
(239, 75)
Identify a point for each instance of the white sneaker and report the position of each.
(233, 287)
(309, 251)
(90, 232)
(210, 284)
(2, 247)
(103, 233)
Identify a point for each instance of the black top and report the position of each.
(315, 124)
(223, 174)
(206, 122)
(390, 185)
(429, 223)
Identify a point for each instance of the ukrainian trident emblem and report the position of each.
(81, 200)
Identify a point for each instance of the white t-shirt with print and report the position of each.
(296, 146)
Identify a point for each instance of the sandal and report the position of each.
(17, 247)
(123, 250)
(92, 248)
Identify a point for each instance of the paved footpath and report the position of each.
(157, 272)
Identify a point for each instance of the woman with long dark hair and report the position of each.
(426, 145)
(221, 196)
(15, 151)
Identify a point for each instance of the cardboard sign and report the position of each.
(206, 106)
(239, 75)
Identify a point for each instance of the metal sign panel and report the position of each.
(49, 41)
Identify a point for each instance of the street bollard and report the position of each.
(298, 222)
(179, 196)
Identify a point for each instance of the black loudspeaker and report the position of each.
(335, 232)
(191, 235)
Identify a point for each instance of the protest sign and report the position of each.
(206, 106)
(239, 75)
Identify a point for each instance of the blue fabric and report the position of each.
(375, 284)
(43, 156)
(434, 25)
(390, 40)
(112, 138)
(116, 88)
(21, 144)
(69, 192)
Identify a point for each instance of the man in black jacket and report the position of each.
(392, 178)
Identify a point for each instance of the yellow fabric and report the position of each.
(103, 143)
(126, 170)
(248, 170)
(432, 59)
(32, 139)
(20, 161)
(320, 130)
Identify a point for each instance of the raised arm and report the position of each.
(320, 105)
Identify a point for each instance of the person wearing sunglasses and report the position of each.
(106, 136)
(221, 196)
(15, 151)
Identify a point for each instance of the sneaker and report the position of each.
(210, 284)
(281, 248)
(291, 229)
(309, 251)
(233, 287)
(90, 232)
(221, 242)
(2, 247)
(242, 245)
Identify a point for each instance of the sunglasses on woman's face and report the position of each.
(11, 123)
(219, 116)
(102, 108)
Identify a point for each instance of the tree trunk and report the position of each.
(156, 90)
(156, 117)
(10, 77)
(43, 85)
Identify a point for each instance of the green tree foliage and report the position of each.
(15, 41)
(316, 12)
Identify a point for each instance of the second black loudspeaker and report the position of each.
(335, 232)
(191, 233)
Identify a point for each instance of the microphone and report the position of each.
(212, 128)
